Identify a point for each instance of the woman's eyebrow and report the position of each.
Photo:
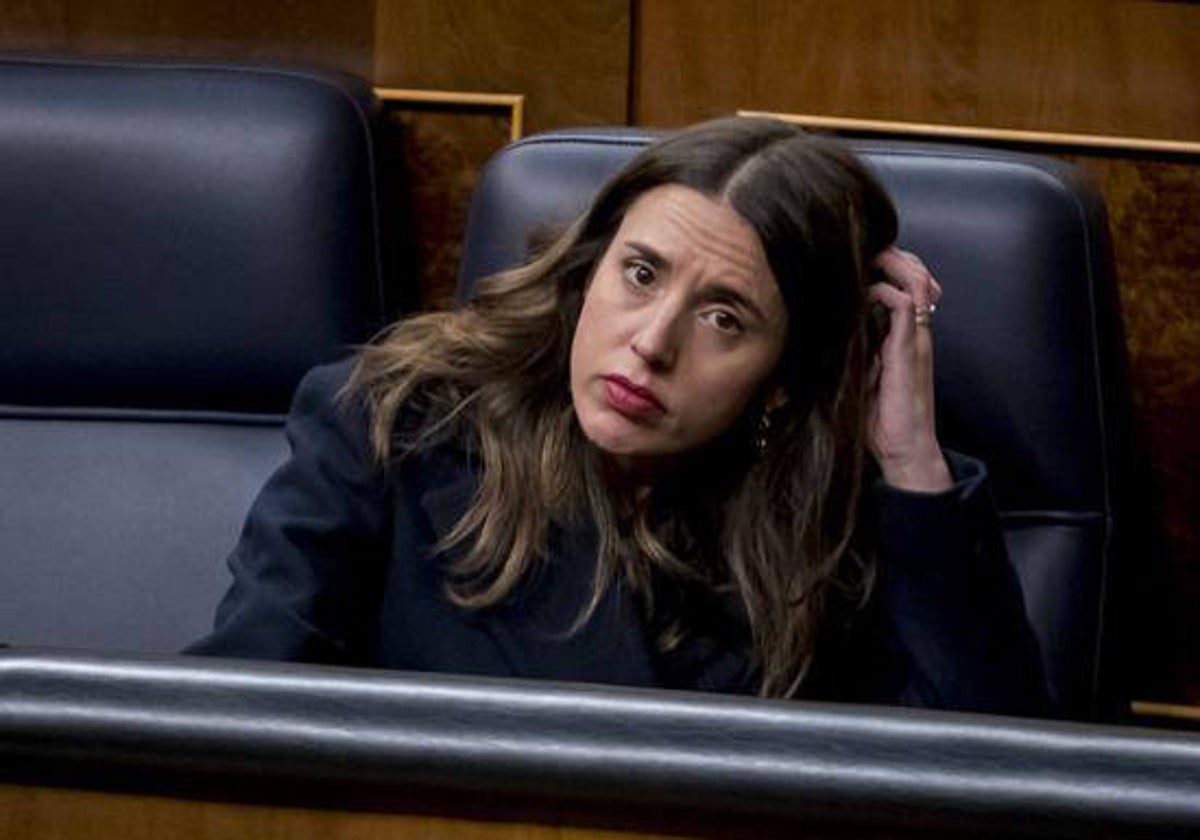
(725, 293)
(648, 253)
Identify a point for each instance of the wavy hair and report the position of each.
(772, 520)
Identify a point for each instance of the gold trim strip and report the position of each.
(514, 103)
(963, 132)
(1166, 710)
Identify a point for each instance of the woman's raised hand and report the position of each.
(903, 437)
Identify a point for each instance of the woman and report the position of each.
(674, 449)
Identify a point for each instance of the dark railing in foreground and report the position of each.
(220, 728)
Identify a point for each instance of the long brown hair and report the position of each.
(772, 518)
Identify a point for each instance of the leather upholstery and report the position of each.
(346, 738)
(1027, 377)
(115, 500)
(178, 244)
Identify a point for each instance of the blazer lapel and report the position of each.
(532, 628)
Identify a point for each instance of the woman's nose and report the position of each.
(656, 340)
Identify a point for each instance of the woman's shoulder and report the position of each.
(331, 397)
(324, 400)
(328, 378)
(332, 388)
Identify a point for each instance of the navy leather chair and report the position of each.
(1028, 369)
(178, 244)
(126, 468)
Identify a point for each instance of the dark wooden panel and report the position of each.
(334, 33)
(1072, 65)
(434, 154)
(47, 813)
(33, 813)
(1152, 206)
(569, 58)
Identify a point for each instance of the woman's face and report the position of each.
(681, 328)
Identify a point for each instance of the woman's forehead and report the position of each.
(689, 230)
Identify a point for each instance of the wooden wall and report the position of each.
(335, 33)
(570, 59)
(1094, 66)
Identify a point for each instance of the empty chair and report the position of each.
(178, 244)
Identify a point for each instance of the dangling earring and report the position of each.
(771, 406)
(764, 431)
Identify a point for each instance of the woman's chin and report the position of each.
(622, 446)
(634, 452)
(618, 436)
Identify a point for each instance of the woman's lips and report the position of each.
(633, 401)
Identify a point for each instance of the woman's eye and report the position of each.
(724, 321)
(639, 273)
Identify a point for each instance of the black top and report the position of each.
(337, 564)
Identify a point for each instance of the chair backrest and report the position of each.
(1026, 365)
(178, 244)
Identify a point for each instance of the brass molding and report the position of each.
(1171, 711)
(1001, 135)
(511, 103)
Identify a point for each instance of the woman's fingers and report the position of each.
(905, 271)
(904, 438)
(893, 297)
(907, 319)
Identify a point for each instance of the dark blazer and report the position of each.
(337, 564)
